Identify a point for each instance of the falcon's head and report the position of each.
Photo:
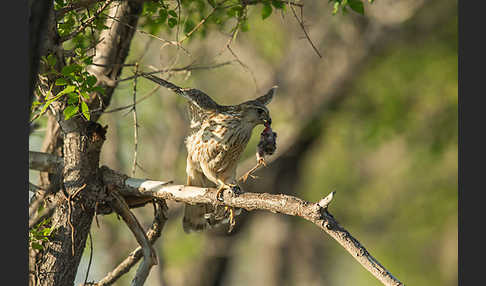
(254, 112)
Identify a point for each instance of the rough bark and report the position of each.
(112, 51)
(72, 218)
(79, 143)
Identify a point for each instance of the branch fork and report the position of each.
(317, 213)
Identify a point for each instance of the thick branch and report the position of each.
(44, 162)
(279, 203)
(284, 204)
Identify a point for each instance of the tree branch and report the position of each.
(160, 217)
(279, 203)
(44, 162)
(150, 258)
(283, 204)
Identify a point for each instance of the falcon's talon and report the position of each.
(219, 193)
(261, 161)
(236, 190)
(232, 221)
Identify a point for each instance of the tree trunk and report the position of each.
(80, 142)
(72, 218)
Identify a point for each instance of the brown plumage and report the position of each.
(218, 137)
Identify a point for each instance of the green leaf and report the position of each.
(73, 98)
(85, 110)
(46, 231)
(61, 81)
(99, 89)
(70, 111)
(36, 245)
(244, 26)
(335, 8)
(162, 16)
(173, 13)
(85, 94)
(67, 89)
(36, 103)
(70, 69)
(51, 60)
(357, 6)
(266, 11)
(172, 22)
(91, 80)
(88, 60)
(188, 26)
(278, 4)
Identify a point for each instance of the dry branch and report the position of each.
(284, 204)
(149, 257)
(160, 217)
(279, 203)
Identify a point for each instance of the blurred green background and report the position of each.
(375, 120)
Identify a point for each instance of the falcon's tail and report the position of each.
(194, 218)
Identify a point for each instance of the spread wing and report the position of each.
(195, 96)
(199, 103)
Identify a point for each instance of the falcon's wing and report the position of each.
(195, 96)
(199, 103)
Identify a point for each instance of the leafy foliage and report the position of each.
(79, 30)
(355, 5)
(77, 85)
(40, 233)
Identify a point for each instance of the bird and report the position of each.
(218, 136)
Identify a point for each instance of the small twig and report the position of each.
(34, 217)
(178, 19)
(190, 67)
(237, 59)
(34, 205)
(301, 23)
(152, 92)
(34, 221)
(324, 202)
(175, 43)
(254, 2)
(90, 257)
(85, 24)
(34, 188)
(135, 122)
(75, 6)
(201, 22)
(244, 66)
